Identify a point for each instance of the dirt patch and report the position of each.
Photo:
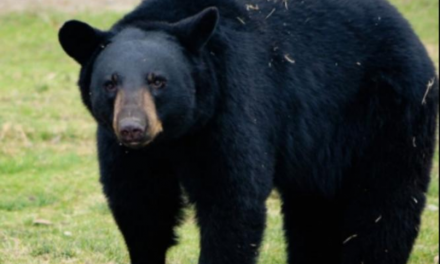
(65, 5)
(433, 51)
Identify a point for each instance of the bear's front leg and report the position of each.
(231, 229)
(230, 194)
(145, 201)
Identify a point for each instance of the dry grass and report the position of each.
(72, 6)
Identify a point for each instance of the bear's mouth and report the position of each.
(136, 144)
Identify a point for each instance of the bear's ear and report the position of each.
(194, 32)
(79, 40)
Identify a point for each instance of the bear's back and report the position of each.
(333, 42)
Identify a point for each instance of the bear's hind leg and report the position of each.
(382, 228)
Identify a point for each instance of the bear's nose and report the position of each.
(132, 133)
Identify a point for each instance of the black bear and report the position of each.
(331, 102)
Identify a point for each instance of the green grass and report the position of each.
(48, 167)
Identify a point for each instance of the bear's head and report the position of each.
(140, 81)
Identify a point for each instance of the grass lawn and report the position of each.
(51, 206)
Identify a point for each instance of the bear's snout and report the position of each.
(136, 122)
(132, 133)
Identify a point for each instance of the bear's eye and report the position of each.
(156, 82)
(111, 85)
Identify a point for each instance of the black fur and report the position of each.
(325, 100)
